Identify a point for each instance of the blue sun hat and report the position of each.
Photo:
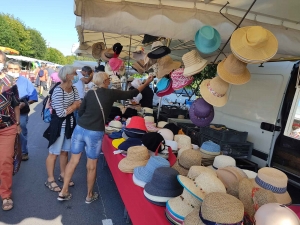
(207, 39)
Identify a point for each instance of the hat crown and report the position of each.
(218, 86)
(183, 141)
(137, 153)
(188, 198)
(234, 66)
(191, 58)
(115, 124)
(208, 36)
(166, 60)
(221, 161)
(202, 108)
(273, 177)
(195, 171)
(208, 183)
(166, 133)
(165, 178)
(210, 146)
(156, 45)
(156, 162)
(255, 37)
(137, 123)
(190, 158)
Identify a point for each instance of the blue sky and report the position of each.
(53, 18)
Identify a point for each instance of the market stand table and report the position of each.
(140, 210)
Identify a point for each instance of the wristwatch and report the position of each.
(18, 123)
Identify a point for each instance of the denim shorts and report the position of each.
(61, 144)
(89, 140)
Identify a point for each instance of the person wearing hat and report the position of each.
(94, 111)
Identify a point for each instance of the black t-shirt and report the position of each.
(147, 100)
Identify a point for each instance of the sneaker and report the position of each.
(25, 157)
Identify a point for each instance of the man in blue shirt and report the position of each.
(28, 95)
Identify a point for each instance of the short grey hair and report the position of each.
(3, 55)
(14, 62)
(64, 71)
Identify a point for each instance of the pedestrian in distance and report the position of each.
(42, 75)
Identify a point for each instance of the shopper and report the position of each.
(91, 123)
(28, 95)
(64, 101)
(42, 75)
(9, 127)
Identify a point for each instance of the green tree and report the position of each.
(70, 59)
(38, 44)
(8, 35)
(55, 56)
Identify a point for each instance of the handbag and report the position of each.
(17, 155)
(100, 107)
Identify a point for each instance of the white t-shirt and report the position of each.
(80, 85)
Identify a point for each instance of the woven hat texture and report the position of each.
(193, 63)
(195, 171)
(107, 54)
(96, 49)
(193, 218)
(166, 65)
(186, 160)
(183, 141)
(222, 161)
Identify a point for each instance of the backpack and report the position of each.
(41, 73)
(47, 109)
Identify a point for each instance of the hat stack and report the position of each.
(136, 156)
(201, 113)
(164, 87)
(186, 160)
(193, 63)
(163, 186)
(136, 127)
(222, 161)
(143, 174)
(209, 150)
(117, 142)
(179, 81)
(113, 126)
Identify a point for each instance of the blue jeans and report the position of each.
(23, 136)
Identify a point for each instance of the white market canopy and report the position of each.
(114, 21)
(28, 59)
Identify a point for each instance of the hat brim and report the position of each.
(250, 174)
(209, 97)
(201, 122)
(237, 79)
(173, 219)
(152, 189)
(138, 182)
(157, 198)
(194, 69)
(138, 55)
(165, 70)
(159, 52)
(250, 53)
(163, 204)
(189, 185)
(107, 54)
(181, 170)
(205, 49)
(210, 154)
(193, 218)
(127, 166)
(178, 208)
(284, 198)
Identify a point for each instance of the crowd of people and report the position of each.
(77, 121)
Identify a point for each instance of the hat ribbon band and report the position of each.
(182, 166)
(148, 114)
(216, 168)
(207, 222)
(156, 47)
(214, 92)
(270, 187)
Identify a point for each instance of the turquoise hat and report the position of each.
(163, 84)
(207, 39)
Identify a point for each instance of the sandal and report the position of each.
(7, 204)
(93, 198)
(61, 179)
(52, 188)
(65, 197)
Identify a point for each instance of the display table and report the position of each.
(141, 211)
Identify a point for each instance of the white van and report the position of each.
(262, 108)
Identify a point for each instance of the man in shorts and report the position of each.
(42, 74)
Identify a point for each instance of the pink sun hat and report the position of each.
(115, 64)
(180, 81)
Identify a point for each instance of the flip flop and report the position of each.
(93, 198)
(66, 197)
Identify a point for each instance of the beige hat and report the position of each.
(274, 180)
(155, 70)
(254, 43)
(193, 218)
(139, 54)
(186, 160)
(166, 133)
(107, 54)
(136, 156)
(250, 174)
(193, 63)
(149, 62)
(183, 141)
(195, 171)
(149, 119)
(222, 161)
(166, 65)
(147, 110)
(97, 48)
(202, 185)
(138, 66)
(180, 151)
(214, 91)
(161, 124)
(233, 71)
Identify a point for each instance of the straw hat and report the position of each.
(148, 63)
(193, 218)
(250, 174)
(158, 50)
(166, 65)
(180, 81)
(214, 91)
(275, 214)
(274, 180)
(233, 71)
(186, 160)
(107, 54)
(254, 43)
(207, 39)
(97, 48)
(193, 63)
(202, 185)
(195, 171)
(183, 141)
(222, 161)
(154, 67)
(201, 113)
(136, 156)
(138, 66)
(161, 124)
(139, 53)
(149, 119)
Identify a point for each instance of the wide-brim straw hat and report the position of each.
(183, 141)
(214, 91)
(172, 218)
(233, 71)
(166, 65)
(97, 49)
(186, 160)
(193, 218)
(107, 54)
(193, 63)
(222, 161)
(138, 66)
(136, 156)
(195, 171)
(207, 39)
(202, 185)
(274, 180)
(148, 63)
(249, 61)
(254, 43)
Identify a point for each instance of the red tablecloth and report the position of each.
(141, 211)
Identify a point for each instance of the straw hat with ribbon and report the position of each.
(193, 63)
(97, 49)
(166, 65)
(222, 161)
(233, 71)
(158, 50)
(139, 53)
(210, 149)
(253, 44)
(180, 81)
(207, 39)
(214, 91)
(186, 160)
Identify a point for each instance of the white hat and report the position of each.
(172, 144)
(115, 124)
(250, 174)
(222, 161)
(183, 141)
(147, 110)
(149, 119)
(166, 133)
(161, 124)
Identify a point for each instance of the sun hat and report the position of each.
(201, 113)
(214, 91)
(130, 142)
(149, 119)
(157, 200)
(182, 205)
(183, 141)
(233, 71)
(163, 84)
(250, 174)
(222, 161)
(151, 127)
(172, 127)
(115, 124)
(179, 81)
(202, 185)
(138, 66)
(210, 149)
(193, 218)
(139, 53)
(153, 70)
(254, 43)
(274, 180)
(115, 64)
(180, 151)
(195, 171)
(152, 141)
(158, 50)
(207, 39)
(145, 173)
(97, 48)
(173, 219)
(275, 214)
(136, 156)
(116, 142)
(166, 133)
(166, 65)
(162, 124)
(148, 63)
(137, 122)
(193, 63)
(167, 91)
(107, 54)
(186, 160)
(172, 144)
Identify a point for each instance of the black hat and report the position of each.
(158, 50)
(173, 127)
(129, 112)
(152, 140)
(115, 111)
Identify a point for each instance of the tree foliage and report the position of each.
(55, 56)
(8, 35)
(38, 44)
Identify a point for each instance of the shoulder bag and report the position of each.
(100, 107)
